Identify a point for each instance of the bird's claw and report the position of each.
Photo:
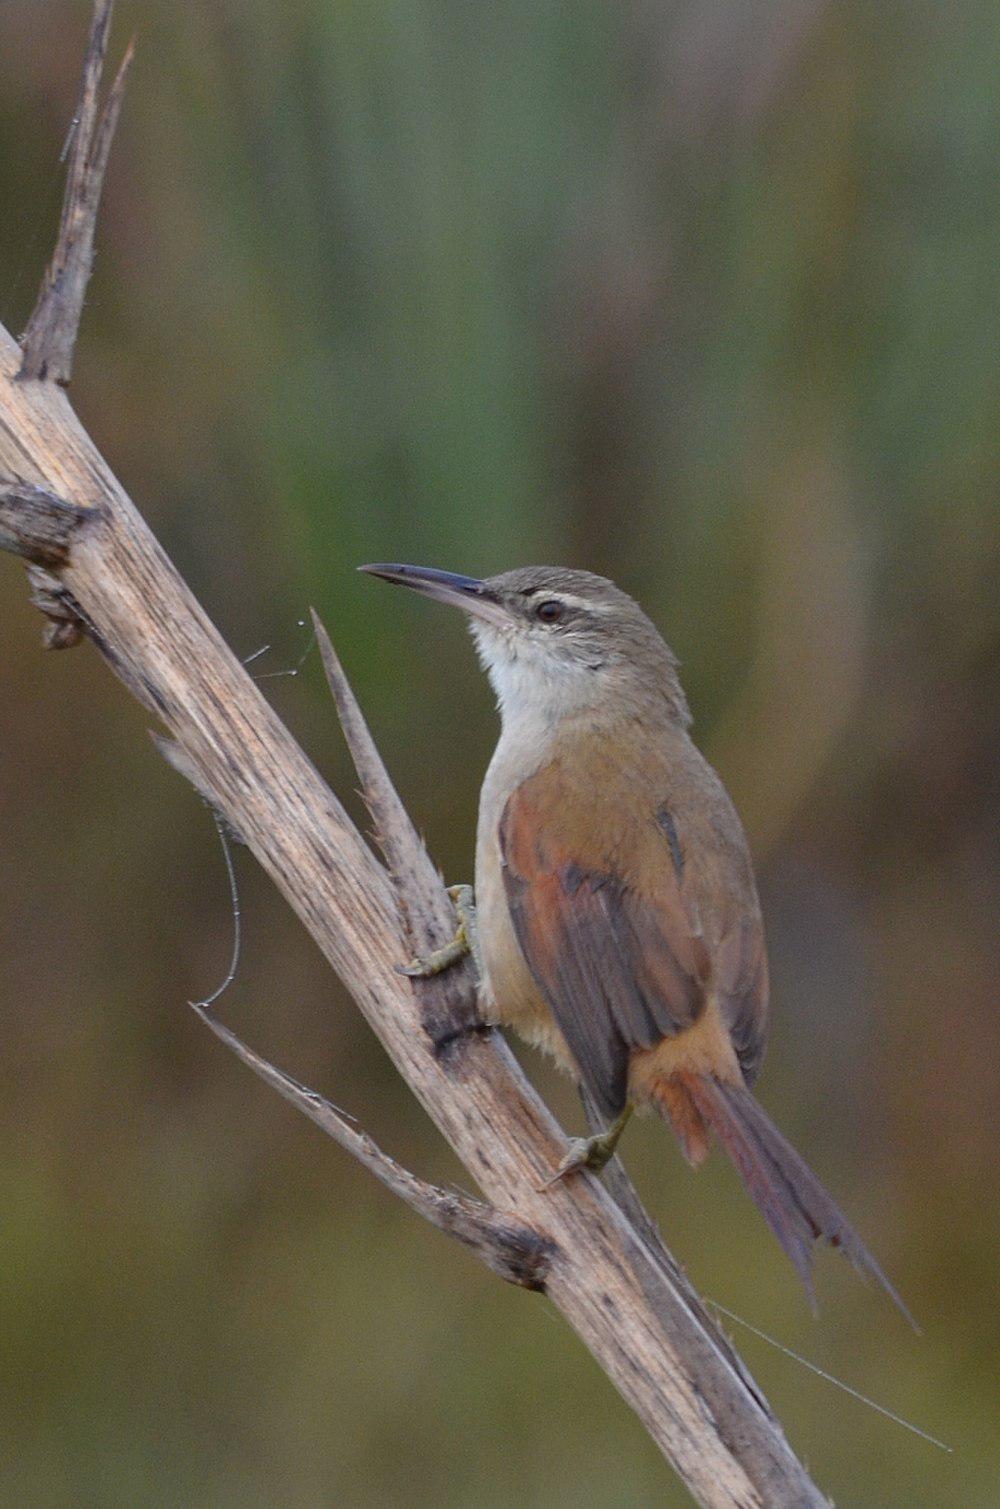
(464, 942)
(581, 1153)
(590, 1152)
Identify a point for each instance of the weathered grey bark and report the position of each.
(100, 571)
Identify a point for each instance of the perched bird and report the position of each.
(618, 921)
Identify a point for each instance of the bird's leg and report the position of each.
(591, 1152)
(465, 941)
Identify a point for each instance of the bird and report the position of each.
(617, 921)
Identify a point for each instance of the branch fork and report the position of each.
(518, 1253)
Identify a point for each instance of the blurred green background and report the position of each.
(702, 296)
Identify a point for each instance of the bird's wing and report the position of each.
(619, 958)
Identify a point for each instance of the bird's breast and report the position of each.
(508, 993)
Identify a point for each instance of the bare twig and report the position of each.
(514, 1251)
(449, 1008)
(408, 860)
(50, 336)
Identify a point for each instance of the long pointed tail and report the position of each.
(789, 1196)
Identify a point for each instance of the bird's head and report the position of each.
(554, 641)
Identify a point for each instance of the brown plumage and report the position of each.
(619, 922)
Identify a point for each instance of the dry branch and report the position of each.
(448, 1003)
(50, 336)
(609, 1275)
(516, 1252)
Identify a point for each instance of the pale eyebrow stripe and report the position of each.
(587, 604)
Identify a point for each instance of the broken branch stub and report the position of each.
(49, 339)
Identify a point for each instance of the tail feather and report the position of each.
(789, 1196)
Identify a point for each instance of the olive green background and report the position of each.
(701, 296)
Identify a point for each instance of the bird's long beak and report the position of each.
(466, 592)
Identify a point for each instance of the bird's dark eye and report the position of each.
(550, 611)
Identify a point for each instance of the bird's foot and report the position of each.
(590, 1152)
(465, 941)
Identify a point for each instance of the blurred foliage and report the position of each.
(702, 296)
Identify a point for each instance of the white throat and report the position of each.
(535, 689)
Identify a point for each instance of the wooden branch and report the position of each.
(514, 1251)
(609, 1276)
(50, 336)
(448, 1004)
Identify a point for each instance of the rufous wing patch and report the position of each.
(619, 967)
